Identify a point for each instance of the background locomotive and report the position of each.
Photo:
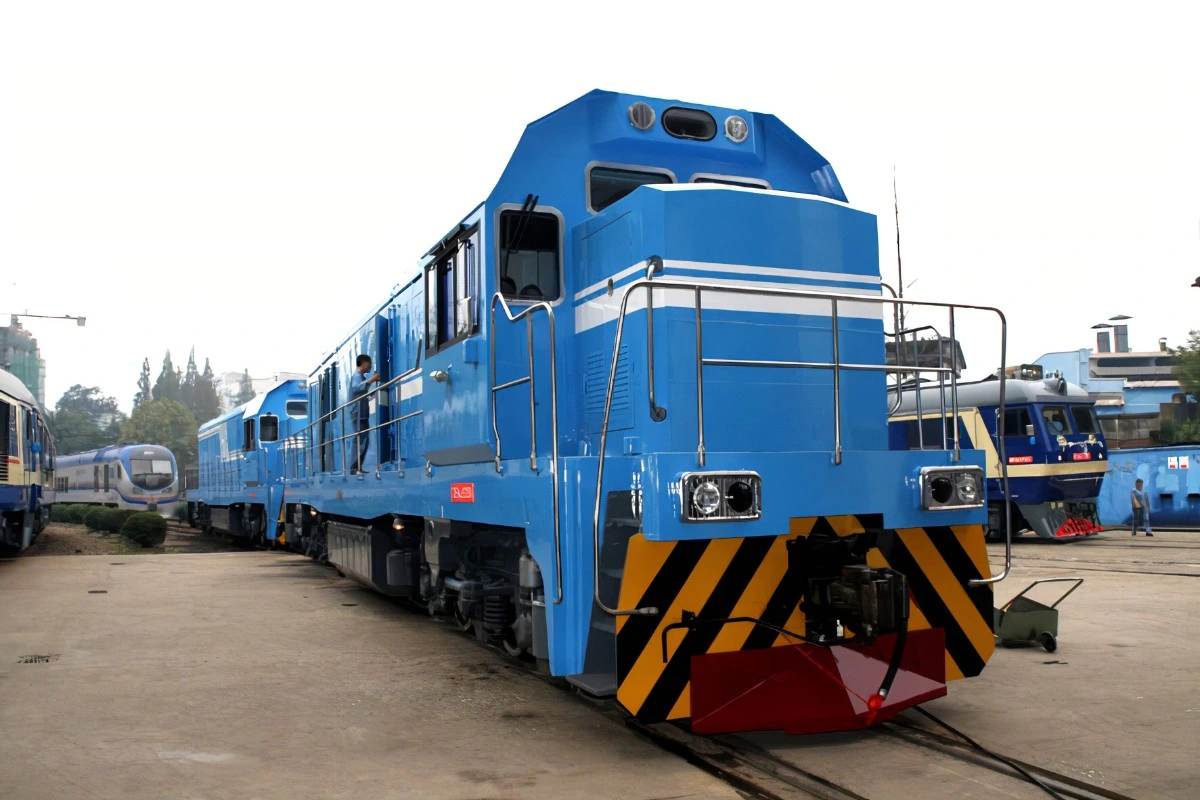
(239, 486)
(26, 466)
(1055, 450)
(626, 414)
(139, 477)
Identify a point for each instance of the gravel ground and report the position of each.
(62, 539)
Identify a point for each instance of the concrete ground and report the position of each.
(255, 675)
(1118, 704)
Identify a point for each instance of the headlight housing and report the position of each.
(951, 488)
(720, 496)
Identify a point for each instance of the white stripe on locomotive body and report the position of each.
(413, 387)
(742, 269)
(605, 308)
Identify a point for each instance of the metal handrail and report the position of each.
(527, 315)
(836, 366)
(339, 414)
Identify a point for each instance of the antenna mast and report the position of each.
(899, 265)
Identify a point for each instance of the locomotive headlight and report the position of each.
(720, 496)
(707, 498)
(736, 129)
(951, 488)
(968, 488)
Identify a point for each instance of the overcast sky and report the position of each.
(250, 178)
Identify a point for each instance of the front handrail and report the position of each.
(527, 315)
(834, 298)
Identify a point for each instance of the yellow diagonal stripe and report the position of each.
(699, 587)
(640, 570)
(950, 588)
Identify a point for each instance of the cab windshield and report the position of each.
(150, 473)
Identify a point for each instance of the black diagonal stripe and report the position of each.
(871, 522)
(822, 528)
(637, 631)
(961, 564)
(931, 604)
(778, 611)
(719, 605)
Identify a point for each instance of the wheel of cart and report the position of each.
(1023, 621)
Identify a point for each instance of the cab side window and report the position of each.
(451, 278)
(530, 257)
(1016, 422)
(268, 428)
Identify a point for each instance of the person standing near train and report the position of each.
(360, 411)
(1141, 508)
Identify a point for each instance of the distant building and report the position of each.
(229, 385)
(19, 354)
(940, 352)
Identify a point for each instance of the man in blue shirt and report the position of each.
(1141, 508)
(360, 412)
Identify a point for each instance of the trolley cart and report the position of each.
(1025, 621)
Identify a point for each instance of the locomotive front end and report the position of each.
(766, 561)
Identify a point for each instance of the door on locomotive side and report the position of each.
(454, 383)
(384, 365)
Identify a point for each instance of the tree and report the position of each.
(85, 419)
(143, 395)
(165, 422)
(1187, 365)
(206, 404)
(167, 385)
(246, 391)
(188, 385)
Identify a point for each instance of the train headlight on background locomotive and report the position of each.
(720, 496)
(951, 488)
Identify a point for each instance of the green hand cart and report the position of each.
(1024, 621)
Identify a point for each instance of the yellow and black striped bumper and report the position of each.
(748, 577)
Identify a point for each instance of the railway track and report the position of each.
(759, 772)
(774, 769)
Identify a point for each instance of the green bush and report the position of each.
(147, 528)
(93, 517)
(109, 520)
(68, 512)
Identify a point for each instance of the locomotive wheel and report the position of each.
(509, 639)
(463, 622)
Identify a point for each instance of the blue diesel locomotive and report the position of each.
(239, 488)
(631, 421)
(26, 466)
(1055, 450)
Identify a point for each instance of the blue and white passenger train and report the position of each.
(26, 466)
(632, 421)
(240, 488)
(139, 477)
(1054, 448)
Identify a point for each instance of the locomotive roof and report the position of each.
(554, 151)
(987, 393)
(11, 385)
(104, 453)
(249, 408)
